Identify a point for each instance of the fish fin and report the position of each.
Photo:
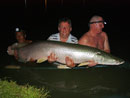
(12, 67)
(63, 66)
(83, 64)
(41, 60)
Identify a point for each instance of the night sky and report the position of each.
(40, 20)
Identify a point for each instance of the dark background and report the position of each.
(40, 20)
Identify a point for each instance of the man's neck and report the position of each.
(94, 33)
(21, 41)
(64, 38)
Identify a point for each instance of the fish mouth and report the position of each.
(120, 62)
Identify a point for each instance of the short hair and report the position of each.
(95, 18)
(65, 19)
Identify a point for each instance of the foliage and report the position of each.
(12, 90)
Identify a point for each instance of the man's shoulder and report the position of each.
(14, 44)
(73, 37)
(104, 34)
(86, 35)
(53, 36)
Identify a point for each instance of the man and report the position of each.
(64, 35)
(64, 28)
(95, 37)
(21, 41)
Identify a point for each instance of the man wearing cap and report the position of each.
(95, 37)
(21, 41)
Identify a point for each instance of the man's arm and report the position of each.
(106, 44)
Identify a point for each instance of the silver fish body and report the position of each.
(79, 53)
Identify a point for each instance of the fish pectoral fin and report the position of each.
(83, 64)
(41, 60)
(63, 66)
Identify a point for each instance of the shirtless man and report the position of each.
(95, 37)
(21, 41)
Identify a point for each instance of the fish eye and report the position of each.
(114, 60)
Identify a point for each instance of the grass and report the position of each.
(12, 90)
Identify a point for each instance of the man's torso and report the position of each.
(96, 41)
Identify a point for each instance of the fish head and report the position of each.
(114, 61)
(108, 59)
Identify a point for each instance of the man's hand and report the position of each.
(69, 62)
(92, 63)
(52, 58)
(10, 51)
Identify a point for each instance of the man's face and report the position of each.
(64, 29)
(20, 36)
(99, 25)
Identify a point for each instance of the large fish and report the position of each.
(79, 53)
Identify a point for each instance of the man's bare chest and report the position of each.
(97, 42)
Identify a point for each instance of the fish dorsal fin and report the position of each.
(41, 60)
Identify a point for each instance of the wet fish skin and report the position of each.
(79, 53)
